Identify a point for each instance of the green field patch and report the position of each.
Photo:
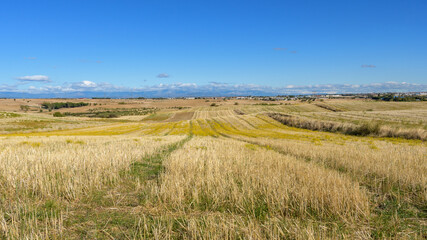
(9, 115)
(32, 144)
(70, 141)
(158, 117)
(113, 112)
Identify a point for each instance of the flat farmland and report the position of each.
(213, 169)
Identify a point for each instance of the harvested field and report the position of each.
(203, 172)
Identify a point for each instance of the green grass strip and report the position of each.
(151, 166)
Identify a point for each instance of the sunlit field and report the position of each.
(191, 169)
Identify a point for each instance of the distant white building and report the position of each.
(334, 95)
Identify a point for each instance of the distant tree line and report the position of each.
(109, 113)
(58, 105)
(394, 98)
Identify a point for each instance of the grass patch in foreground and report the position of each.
(393, 218)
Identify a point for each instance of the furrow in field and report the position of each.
(378, 164)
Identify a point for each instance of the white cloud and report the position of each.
(163, 75)
(34, 78)
(368, 66)
(88, 84)
(7, 87)
(218, 83)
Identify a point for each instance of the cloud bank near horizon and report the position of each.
(89, 88)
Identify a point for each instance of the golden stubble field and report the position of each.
(190, 170)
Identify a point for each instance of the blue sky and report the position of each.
(56, 46)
